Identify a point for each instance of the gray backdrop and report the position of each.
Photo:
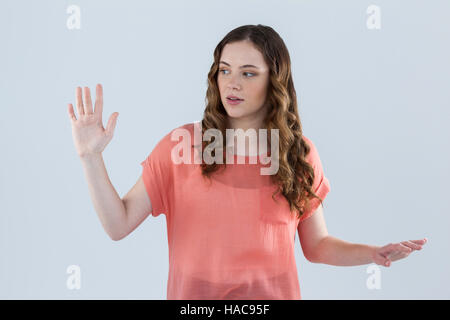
(374, 101)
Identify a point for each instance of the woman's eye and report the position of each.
(252, 74)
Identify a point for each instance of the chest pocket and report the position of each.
(273, 211)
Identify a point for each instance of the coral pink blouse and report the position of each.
(227, 239)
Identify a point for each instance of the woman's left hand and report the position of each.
(396, 251)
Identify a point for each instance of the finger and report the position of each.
(387, 249)
(87, 98)
(112, 123)
(79, 97)
(381, 259)
(398, 256)
(421, 241)
(402, 247)
(71, 113)
(412, 245)
(395, 249)
(99, 100)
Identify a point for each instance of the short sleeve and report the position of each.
(157, 174)
(321, 185)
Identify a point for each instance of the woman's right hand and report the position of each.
(89, 135)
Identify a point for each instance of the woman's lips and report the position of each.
(234, 102)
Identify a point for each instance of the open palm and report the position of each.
(396, 251)
(89, 135)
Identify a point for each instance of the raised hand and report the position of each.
(89, 135)
(396, 251)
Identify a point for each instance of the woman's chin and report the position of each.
(233, 113)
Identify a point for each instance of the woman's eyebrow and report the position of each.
(244, 66)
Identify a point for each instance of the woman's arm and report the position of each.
(107, 203)
(338, 252)
(319, 247)
(118, 217)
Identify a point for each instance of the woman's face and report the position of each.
(243, 73)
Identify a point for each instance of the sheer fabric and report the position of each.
(227, 238)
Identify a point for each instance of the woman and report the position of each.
(231, 232)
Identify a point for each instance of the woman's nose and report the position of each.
(234, 82)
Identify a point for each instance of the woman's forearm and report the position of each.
(107, 203)
(337, 252)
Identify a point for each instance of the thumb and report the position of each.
(112, 123)
(382, 259)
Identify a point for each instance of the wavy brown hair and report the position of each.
(295, 175)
